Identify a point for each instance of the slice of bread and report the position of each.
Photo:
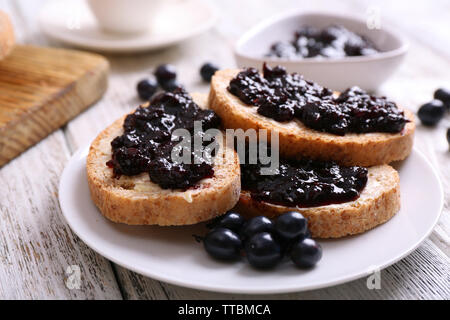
(135, 200)
(6, 35)
(297, 141)
(378, 202)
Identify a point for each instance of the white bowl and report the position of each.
(367, 72)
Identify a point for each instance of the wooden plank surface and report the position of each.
(36, 245)
(424, 274)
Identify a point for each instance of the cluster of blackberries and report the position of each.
(264, 242)
(432, 112)
(165, 77)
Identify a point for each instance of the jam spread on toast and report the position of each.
(146, 144)
(285, 97)
(304, 183)
(330, 42)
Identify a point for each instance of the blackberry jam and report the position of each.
(284, 97)
(330, 42)
(146, 144)
(304, 183)
(276, 93)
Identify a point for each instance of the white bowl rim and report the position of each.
(401, 50)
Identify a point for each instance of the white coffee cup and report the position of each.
(124, 16)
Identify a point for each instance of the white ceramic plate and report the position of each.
(170, 254)
(71, 22)
(368, 72)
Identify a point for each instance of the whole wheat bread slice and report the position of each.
(379, 201)
(297, 141)
(135, 200)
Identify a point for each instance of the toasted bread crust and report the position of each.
(7, 39)
(296, 140)
(378, 202)
(137, 201)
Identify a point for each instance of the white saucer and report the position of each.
(171, 254)
(71, 22)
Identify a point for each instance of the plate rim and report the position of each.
(83, 151)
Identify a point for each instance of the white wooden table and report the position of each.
(36, 245)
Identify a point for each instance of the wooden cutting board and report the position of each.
(43, 88)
